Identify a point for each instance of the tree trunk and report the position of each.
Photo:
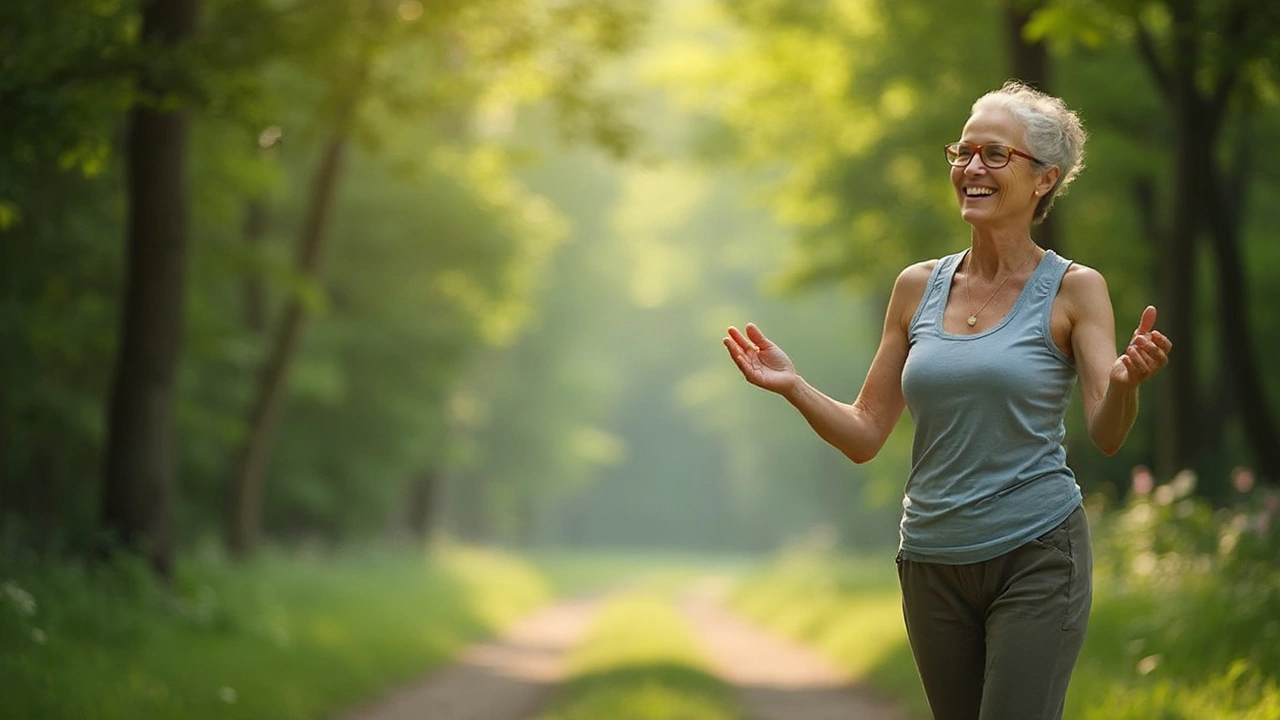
(138, 482)
(1236, 331)
(1180, 440)
(1030, 63)
(255, 293)
(245, 514)
(423, 497)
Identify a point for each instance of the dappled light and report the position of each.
(360, 356)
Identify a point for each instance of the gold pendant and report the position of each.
(973, 320)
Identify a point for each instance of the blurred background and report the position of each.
(293, 278)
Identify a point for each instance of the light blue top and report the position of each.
(988, 469)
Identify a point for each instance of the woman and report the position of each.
(984, 347)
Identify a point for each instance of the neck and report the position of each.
(995, 254)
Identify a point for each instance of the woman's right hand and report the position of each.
(762, 363)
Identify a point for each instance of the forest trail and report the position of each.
(509, 677)
(506, 678)
(777, 679)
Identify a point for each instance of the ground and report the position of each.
(509, 677)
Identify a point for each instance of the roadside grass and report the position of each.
(283, 636)
(640, 661)
(1186, 618)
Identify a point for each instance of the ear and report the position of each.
(1044, 183)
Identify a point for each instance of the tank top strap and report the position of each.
(1045, 283)
(934, 302)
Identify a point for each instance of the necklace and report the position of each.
(973, 317)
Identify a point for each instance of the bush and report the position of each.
(1186, 620)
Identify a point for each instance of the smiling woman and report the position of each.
(994, 561)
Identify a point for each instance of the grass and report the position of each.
(281, 637)
(640, 662)
(1186, 618)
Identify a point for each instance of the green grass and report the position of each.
(281, 637)
(640, 662)
(1186, 618)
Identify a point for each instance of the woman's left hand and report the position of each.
(1148, 351)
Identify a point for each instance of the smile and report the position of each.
(978, 191)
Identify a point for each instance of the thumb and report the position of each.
(1148, 321)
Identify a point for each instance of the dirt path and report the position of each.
(508, 678)
(503, 679)
(777, 679)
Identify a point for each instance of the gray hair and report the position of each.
(1054, 133)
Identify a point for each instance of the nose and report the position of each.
(970, 168)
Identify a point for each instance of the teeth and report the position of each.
(977, 191)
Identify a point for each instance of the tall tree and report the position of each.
(1206, 59)
(138, 482)
(1030, 63)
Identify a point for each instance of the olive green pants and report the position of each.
(997, 640)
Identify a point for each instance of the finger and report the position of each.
(1138, 361)
(1148, 321)
(1152, 354)
(732, 347)
(738, 338)
(739, 357)
(757, 337)
(1162, 341)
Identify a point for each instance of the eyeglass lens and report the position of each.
(993, 156)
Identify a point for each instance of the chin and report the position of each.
(972, 216)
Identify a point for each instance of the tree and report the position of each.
(1208, 62)
(513, 51)
(138, 482)
(1030, 63)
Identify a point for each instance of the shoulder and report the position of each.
(1085, 291)
(915, 277)
(909, 290)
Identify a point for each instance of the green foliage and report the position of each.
(284, 637)
(438, 248)
(850, 104)
(640, 662)
(1184, 622)
(65, 79)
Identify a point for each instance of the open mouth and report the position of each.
(979, 192)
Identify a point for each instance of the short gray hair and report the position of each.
(1054, 133)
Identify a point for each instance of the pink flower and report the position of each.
(1242, 478)
(1143, 480)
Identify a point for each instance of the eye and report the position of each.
(960, 152)
(995, 154)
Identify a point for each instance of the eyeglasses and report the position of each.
(993, 155)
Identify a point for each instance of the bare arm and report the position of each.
(858, 429)
(1109, 382)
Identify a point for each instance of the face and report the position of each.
(1004, 196)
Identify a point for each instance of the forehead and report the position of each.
(993, 124)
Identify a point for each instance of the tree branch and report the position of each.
(1233, 36)
(1147, 51)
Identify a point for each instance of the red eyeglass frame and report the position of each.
(977, 151)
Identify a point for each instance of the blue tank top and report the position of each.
(988, 469)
